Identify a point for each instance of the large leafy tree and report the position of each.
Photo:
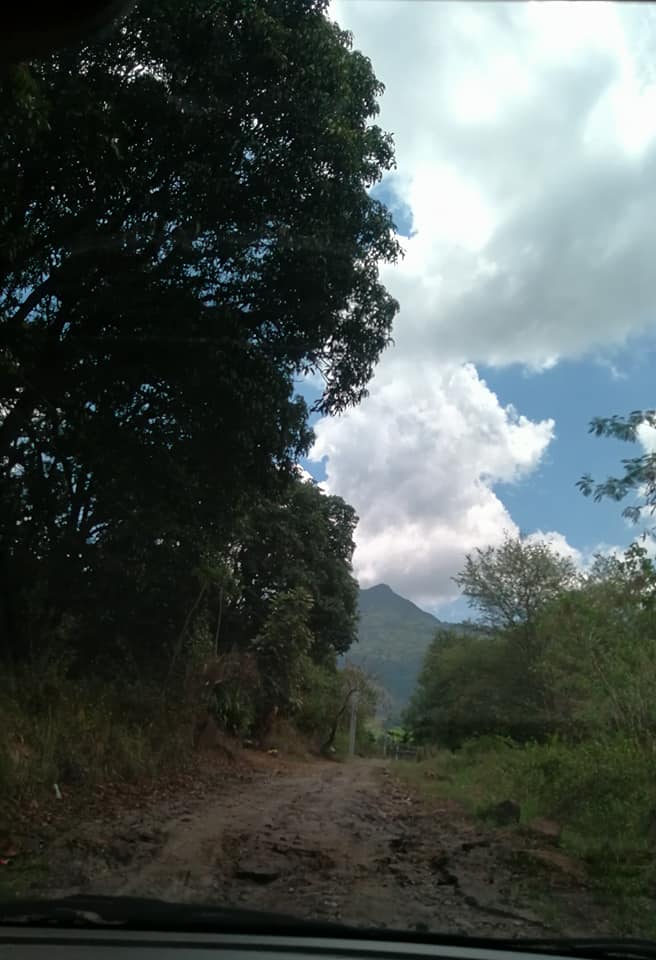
(185, 228)
(302, 540)
(588, 671)
(599, 645)
(288, 598)
(470, 685)
(511, 583)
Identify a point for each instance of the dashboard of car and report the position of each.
(31, 943)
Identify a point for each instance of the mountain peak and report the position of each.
(382, 597)
(393, 636)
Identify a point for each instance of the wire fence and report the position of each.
(394, 750)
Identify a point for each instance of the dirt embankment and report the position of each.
(342, 842)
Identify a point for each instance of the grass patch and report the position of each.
(601, 792)
(21, 876)
(72, 735)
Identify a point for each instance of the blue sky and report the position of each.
(572, 392)
(525, 194)
(388, 193)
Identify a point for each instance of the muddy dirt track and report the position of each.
(345, 842)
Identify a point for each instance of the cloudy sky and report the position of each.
(526, 195)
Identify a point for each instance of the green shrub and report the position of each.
(600, 791)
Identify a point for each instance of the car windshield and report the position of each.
(328, 463)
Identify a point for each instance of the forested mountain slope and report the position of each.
(393, 636)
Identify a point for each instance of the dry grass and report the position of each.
(66, 734)
(285, 738)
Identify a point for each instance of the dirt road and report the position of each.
(344, 842)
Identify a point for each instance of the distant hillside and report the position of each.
(393, 637)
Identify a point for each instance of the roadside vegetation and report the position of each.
(551, 705)
(178, 251)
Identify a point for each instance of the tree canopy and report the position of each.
(303, 539)
(187, 229)
(587, 672)
(639, 475)
(509, 584)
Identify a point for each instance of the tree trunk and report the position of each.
(330, 742)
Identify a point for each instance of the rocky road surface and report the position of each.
(346, 842)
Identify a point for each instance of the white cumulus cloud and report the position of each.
(525, 143)
(418, 460)
(526, 146)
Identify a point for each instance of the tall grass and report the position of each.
(602, 792)
(59, 731)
